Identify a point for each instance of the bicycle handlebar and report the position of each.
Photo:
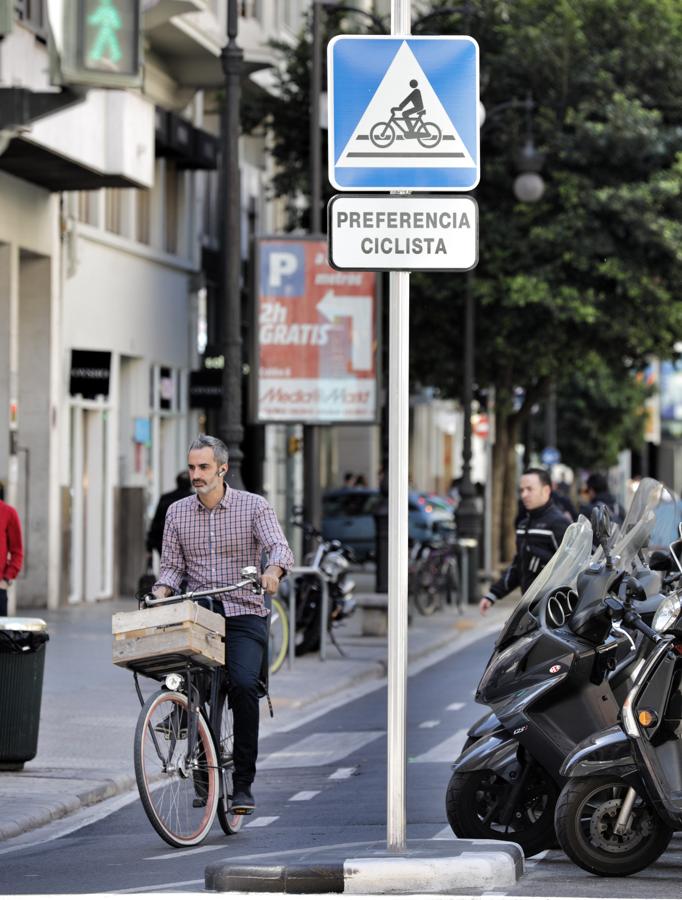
(253, 579)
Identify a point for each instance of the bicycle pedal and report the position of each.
(242, 810)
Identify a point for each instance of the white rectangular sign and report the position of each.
(403, 233)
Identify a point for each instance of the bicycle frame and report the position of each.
(406, 125)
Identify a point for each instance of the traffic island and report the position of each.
(424, 867)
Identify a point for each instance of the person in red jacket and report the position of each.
(11, 551)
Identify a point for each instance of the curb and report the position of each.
(461, 867)
(55, 809)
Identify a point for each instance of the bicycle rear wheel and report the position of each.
(178, 787)
(278, 641)
(229, 821)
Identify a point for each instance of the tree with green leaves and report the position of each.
(587, 276)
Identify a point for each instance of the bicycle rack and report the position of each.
(324, 612)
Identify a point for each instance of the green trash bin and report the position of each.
(22, 662)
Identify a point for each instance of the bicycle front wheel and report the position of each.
(278, 643)
(427, 597)
(229, 821)
(382, 134)
(178, 784)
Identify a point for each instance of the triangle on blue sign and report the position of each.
(404, 113)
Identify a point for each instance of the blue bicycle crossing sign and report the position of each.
(403, 113)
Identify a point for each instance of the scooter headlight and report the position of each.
(667, 613)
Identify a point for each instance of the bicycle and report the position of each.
(184, 743)
(383, 134)
(434, 576)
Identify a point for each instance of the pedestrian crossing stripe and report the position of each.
(403, 113)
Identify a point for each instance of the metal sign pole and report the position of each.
(398, 438)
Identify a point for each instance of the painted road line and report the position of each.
(446, 751)
(320, 749)
(431, 723)
(182, 852)
(261, 822)
(455, 707)
(148, 888)
(342, 773)
(445, 834)
(304, 795)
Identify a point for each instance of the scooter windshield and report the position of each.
(647, 498)
(562, 570)
(628, 545)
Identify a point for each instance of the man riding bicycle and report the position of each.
(414, 104)
(209, 537)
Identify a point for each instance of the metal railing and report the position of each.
(324, 611)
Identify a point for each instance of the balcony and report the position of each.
(187, 38)
(105, 141)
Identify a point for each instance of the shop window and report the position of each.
(171, 206)
(166, 391)
(87, 207)
(113, 219)
(143, 216)
(211, 207)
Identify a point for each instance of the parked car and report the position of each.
(348, 516)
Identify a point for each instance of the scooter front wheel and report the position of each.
(476, 802)
(586, 815)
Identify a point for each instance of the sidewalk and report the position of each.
(90, 708)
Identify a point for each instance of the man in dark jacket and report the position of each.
(538, 535)
(155, 533)
(597, 489)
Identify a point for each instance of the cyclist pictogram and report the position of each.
(407, 122)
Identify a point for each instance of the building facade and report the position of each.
(110, 212)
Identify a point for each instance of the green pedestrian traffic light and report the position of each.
(106, 22)
(100, 45)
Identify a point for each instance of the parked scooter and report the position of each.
(332, 560)
(547, 683)
(623, 798)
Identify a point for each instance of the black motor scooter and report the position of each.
(548, 688)
(623, 797)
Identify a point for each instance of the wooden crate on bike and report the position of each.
(154, 641)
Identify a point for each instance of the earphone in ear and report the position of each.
(222, 472)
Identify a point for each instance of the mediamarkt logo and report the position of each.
(333, 395)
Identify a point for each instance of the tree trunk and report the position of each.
(498, 476)
(511, 489)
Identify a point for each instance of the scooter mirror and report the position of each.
(601, 523)
(676, 552)
(660, 561)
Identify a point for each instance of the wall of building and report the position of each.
(29, 392)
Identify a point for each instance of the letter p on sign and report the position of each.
(281, 265)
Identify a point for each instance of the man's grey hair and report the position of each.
(220, 454)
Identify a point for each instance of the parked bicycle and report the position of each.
(433, 573)
(398, 127)
(184, 742)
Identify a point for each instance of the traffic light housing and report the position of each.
(96, 43)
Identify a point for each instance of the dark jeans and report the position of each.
(245, 644)
(3, 602)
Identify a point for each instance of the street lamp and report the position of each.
(230, 426)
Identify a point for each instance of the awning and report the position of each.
(44, 167)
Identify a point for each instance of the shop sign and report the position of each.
(90, 371)
(315, 337)
(206, 389)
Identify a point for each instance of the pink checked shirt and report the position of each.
(210, 547)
